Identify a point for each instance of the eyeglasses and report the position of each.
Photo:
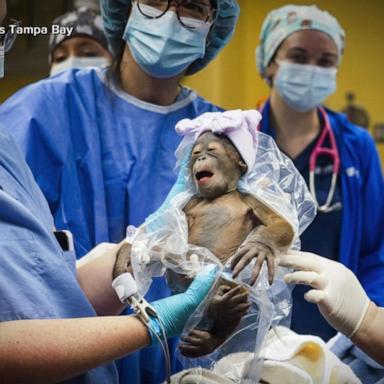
(189, 12)
(8, 38)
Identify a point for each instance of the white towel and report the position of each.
(289, 358)
(306, 358)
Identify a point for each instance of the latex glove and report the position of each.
(337, 292)
(174, 311)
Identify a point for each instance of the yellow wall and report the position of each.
(232, 80)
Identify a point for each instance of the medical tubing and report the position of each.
(156, 328)
(164, 347)
(166, 353)
(126, 289)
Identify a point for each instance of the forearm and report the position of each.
(370, 336)
(276, 235)
(95, 279)
(275, 231)
(47, 351)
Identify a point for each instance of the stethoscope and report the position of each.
(332, 152)
(322, 150)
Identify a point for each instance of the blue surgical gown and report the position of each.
(104, 160)
(38, 280)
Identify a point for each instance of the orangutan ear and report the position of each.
(243, 167)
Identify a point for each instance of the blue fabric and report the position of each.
(322, 237)
(104, 160)
(38, 280)
(361, 245)
(361, 240)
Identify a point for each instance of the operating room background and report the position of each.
(232, 81)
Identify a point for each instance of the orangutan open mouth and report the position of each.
(203, 175)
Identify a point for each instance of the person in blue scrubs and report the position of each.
(86, 45)
(299, 54)
(48, 325)
(101, 143)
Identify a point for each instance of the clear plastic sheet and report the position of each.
(161, 247)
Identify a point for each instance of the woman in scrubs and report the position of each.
(101, 145)
(299, 54)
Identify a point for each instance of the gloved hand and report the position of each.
(174, 311)
(337, 292)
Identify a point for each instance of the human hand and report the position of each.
(337, 292)
(250, 250)
(174, 311)
(99, 250)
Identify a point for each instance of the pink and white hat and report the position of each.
(239, 126)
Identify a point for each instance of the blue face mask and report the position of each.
(304, 87)
(163, 47)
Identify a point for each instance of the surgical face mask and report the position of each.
(304, 87)
(79, 63)
(163, 47)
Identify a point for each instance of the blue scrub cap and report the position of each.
(115, 16)
(282, 22)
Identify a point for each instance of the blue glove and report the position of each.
(174, 311)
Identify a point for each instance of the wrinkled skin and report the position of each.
(231, 224)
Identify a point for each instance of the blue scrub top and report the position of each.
(321, 237)
(38, 280)
(104, 160)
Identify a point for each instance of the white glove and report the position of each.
(337, 292)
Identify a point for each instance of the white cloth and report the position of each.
(292, 358)
(289, 358)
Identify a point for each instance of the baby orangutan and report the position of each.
(231, 224)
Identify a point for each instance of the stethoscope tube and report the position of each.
(321, 150)
(333, 153)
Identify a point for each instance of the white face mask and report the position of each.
(304, 87)
(79, 63)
